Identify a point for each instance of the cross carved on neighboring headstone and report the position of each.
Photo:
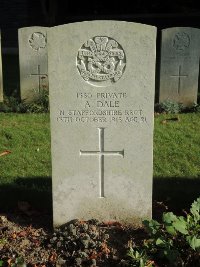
(40, 76)
(101, 153)
(179, 76)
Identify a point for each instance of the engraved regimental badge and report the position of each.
(101, 61)
(37, 41)
(181, 41)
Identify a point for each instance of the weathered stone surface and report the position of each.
(101, 77)
(179, 68)
(33, 62)
(1, 77)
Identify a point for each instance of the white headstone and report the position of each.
(1, 77)
(179, 70)
(33, 62)
(101, 77)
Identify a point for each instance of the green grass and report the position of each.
(27, 136)
(25, 174)
(177, 160)
(177, 146)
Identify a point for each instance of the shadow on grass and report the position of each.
(37, 191)
(177, 193)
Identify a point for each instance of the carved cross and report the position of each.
(40, 76)
(179, 76)
(101, 153)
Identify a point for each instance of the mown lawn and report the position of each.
(177, 146)
(25, 174)
(27, 136)
(177, 160)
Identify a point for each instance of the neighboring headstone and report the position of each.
(1, 77)
(33, 62)
(101, 77)
(179, 70)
